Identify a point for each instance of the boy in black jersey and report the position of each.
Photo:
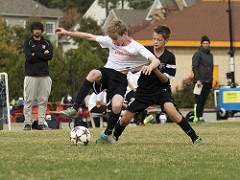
(155, 88)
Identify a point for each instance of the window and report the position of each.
(50, 28)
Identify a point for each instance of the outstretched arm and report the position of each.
(154, 62)
(82, 35)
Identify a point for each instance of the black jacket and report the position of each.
(37, 65)
(202, 62)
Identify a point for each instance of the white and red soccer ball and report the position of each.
(80, 135)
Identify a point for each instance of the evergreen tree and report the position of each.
(79, 63)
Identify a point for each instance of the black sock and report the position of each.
(112, 121)
(118, 130)
(188, 129)
(82, 93)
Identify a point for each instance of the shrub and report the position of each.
(184, 97)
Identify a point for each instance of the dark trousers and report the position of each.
(201, 99)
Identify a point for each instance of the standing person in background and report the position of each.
(37, 83)
(202, 62)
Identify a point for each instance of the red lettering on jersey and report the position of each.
(121, 53)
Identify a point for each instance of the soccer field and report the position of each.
(159, 151)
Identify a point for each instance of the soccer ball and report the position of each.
(80, 135)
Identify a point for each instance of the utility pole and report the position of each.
(231, 75)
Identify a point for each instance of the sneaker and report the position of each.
(100, 141)
(201, 121)
(27, 127)
(70, 113)
(195, 119)
(198, 142)
(43, 127)
(109, 138)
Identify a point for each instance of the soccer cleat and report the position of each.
(27, 127)
(100, 141)
(195, 119)
(148, 119)
(201, 121)
(198, 142)
(70, 113)
(108, 138)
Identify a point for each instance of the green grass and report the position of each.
(160, 151)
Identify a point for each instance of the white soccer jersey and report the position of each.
(121, 58)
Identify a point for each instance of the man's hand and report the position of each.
(33, 54)
(46, 52)
(61, 31)
(199, 84)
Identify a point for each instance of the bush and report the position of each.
(184, 97)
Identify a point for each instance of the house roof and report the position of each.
(131, 17)
(203, 18)
(168, 3)
(188, 3)
(27, 8)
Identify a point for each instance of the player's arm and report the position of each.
(162, 77)
(154, 63)
(82, 35)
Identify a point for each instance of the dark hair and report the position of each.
(35, 25)
(164, 30)
(205, 38)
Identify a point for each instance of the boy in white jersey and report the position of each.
(124, 54)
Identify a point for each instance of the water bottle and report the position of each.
(162, 118)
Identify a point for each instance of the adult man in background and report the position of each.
(202, 62)
(37, 83)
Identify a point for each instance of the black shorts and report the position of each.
(115, 82)
(140, 101)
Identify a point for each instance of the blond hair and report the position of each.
(116, 27)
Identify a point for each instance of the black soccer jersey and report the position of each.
(151, 83)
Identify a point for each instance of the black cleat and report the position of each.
(27, 127)
(43, 127)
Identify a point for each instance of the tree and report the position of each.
(108, 4)
(141, 4)
(79, 63)
(59, 74)
(10, 60)
(8, 46)
(90, 25)
(69, 19)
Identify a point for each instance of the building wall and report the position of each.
(221, 58)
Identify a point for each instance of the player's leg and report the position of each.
(93, 76)
(113, 117)
(30, 89)
(136, 104)
(122, 123)
(175, 116)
